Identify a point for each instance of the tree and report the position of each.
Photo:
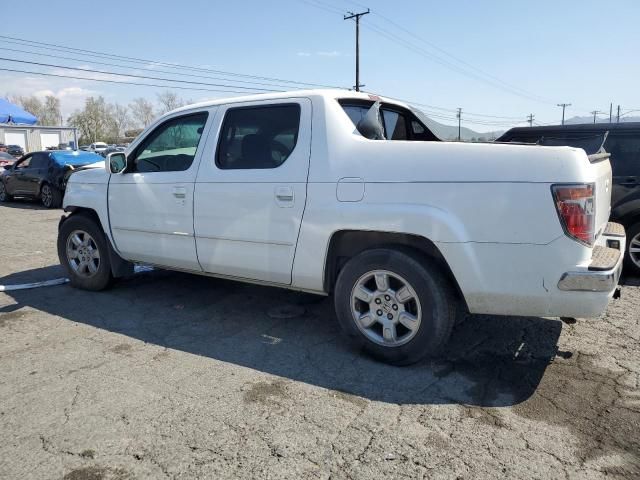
(168, 101)
(142, 111)
(32, 105)
(120, 119)
(94, 122)
(51, 111)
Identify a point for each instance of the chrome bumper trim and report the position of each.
(591, 281)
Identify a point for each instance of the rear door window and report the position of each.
(39, 160)
(258, 137)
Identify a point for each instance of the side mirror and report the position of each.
(371, 124)
(116, 162)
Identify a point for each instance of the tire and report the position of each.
(4, 196)
(50, 196)
(78, 238)
(632, 258)
(432, 304)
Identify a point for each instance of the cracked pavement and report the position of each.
(169, 375)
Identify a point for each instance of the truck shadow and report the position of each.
(491, 360)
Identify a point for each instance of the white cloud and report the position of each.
(303, 54)
(333, 53)
(72, 93)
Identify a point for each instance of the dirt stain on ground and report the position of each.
(262, 392)
(97, 473)
(5, 318)
(122, 348)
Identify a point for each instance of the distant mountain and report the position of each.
(450, 132)
(578, 120)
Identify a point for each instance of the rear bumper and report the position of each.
(603, 273)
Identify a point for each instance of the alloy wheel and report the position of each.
(83, 254)
(634, 250)
(47, 195)
(386, 308)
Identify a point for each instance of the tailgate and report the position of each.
(602, 172)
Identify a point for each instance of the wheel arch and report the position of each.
(119, 266)
(346, 244)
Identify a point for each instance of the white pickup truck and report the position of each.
(344, 193)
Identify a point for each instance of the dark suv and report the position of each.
(622, 141)
(43, 175)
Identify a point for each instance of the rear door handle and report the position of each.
(284, 196)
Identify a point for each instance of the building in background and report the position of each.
(37, 137)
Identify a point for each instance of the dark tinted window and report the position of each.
(395, 125)
(258, 137)
(625, 153)
(590, 142)
(172, 146)
(40, 160)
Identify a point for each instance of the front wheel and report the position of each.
(83, 252)
(397, 306)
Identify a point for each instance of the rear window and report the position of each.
(590, 142)
(398, 123)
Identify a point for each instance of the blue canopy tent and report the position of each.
(10, 113)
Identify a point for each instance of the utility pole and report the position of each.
(459, 116)
(595, 112)
(563, 105)
(610, 112)
(618, 118)
(357, 17)
(530, 119)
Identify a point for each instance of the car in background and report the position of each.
(97, 147)
(622, 142)
(15, 150)
(43, 175)
(6, 160)
(112, 149)
(64, 146)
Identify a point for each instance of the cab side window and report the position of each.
(258, 137)
(172, 146)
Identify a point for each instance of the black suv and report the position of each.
(43, 175)
(622, 141)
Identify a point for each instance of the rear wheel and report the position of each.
(633, 248)
(4, 196)
(398, 307)
(82, 249)
(50, 196)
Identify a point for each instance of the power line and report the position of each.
(94, 53)
(62, 57)
(496, 82)
(131, 75)
(120, 82)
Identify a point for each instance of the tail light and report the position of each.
(576, 208)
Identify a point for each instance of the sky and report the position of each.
(497, 60)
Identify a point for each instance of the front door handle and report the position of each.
(180, 192)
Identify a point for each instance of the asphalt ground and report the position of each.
(169, 375)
